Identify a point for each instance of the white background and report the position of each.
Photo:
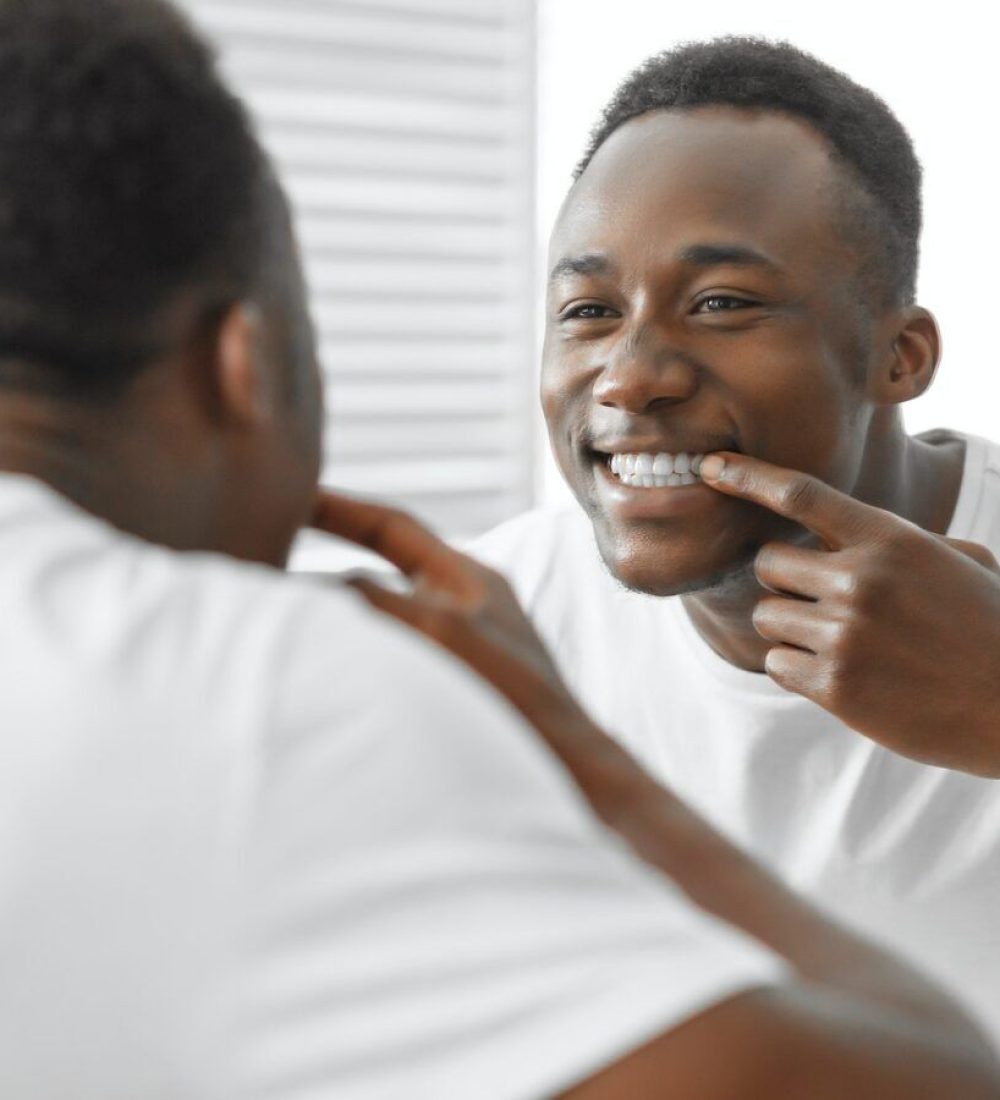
(937, 72)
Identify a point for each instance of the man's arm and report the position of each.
(855, 1023)
(791, 1043)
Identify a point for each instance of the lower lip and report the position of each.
(632, 502)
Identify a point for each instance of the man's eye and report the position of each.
(587, 312)
(723, 303)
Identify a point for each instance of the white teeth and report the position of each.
(663, 465)
(655, 471)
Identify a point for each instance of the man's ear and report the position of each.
(912, 352)
(241, 382)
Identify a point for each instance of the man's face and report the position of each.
(703, 297)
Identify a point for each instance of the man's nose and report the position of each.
(641, 373)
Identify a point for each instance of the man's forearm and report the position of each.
(725, 881)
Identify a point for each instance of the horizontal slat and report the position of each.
(489, 12)
(432, 477)
(386, 235)
(400, 319)
(326, 66)
(358, 437)
(394, 277)
(475, 398)
(303, 108)
(389, 155)
(339, 194)
(421, 358)
(375, 199)
(408, 33)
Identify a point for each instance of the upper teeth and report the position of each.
(655, 471)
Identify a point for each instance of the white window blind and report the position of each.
(404, 132)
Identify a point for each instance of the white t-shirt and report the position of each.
(907, 852)
(256, 840)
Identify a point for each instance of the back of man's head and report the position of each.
(867, 139)
(129, 180)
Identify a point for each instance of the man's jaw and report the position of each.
(734, 580)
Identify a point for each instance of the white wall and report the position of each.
(937, 73)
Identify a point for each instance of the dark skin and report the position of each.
(707, 294)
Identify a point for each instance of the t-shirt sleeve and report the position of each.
(431, 910)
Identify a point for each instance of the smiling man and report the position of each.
(257, 841)
(797, 634)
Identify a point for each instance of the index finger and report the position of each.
(391, 533)
(837, 518)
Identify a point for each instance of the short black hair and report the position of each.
(129, 175)
(866, 137)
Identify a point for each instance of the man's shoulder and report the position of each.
(976, 514)
(109, 615)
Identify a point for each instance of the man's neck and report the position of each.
(915, 479)
(97, 457)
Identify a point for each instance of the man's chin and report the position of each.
(657, 579)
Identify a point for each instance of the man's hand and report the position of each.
(894, 630)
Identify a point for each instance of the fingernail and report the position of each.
(712, 467)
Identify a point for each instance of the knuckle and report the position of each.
(767, 560)
(864, 597)
(776, 665)
(798, 494)
(764, 614)
(864, 588)
(840, 642)
(440, 622)
(898, 543)
(847, 586)
(829, 686)
(821, 681)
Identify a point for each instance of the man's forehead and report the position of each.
(678, 178)
(752, 144)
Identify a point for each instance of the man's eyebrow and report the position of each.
(590, 263)
(715, 255)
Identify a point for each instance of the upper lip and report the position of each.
(705, 445)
